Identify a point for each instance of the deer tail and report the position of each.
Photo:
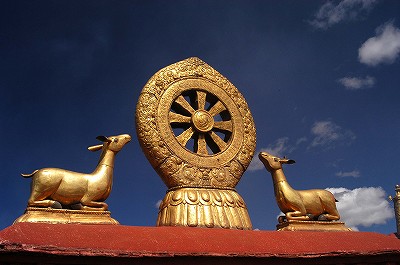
(29, 175)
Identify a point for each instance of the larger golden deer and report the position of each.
(55, 187)
(316, 204)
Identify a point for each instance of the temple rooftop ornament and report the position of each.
(313, 210)
(63, 196)
(197, 132)
(396, 203)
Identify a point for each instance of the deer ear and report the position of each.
(287, 161)
(95, 148)
(103, 138)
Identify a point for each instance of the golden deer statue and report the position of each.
(55, 187)
(302, 205)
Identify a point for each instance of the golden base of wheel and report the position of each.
(199, 207)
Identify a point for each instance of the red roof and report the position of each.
(138, 242)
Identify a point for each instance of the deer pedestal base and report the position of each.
(65, 216)
(311, 226)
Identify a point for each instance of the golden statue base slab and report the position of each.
(312, 226)
(204, 207)
(65, 216)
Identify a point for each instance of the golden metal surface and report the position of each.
(298, 205)
(65, 216)
(202, 207)
(195, 128)
(294, 225)
(60, 188)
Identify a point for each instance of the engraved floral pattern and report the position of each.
(172, 164)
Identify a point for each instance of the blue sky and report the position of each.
(321, 79)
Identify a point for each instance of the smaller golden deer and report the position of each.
(302, 205)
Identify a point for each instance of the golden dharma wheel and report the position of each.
(196, 130)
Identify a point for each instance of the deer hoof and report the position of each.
(322, 217)
(76, 206)
(56, 205)
(282, 219)
(310, 216)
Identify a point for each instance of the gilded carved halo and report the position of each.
(195, 127)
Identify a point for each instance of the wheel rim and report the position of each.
(196, 139)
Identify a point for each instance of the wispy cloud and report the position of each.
(277, 148)
(280, 148)
(356, 83)
(384, 47)
(158, 203)
(333, 12)
(327, 133)
(301, 140)
(353, 174)
(324, 134)
(362, 206)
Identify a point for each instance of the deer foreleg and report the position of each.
(94, 206)
(297, 215)
(44, 203)
(328, 217)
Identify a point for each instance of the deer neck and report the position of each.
(106, 163)
(279, 178)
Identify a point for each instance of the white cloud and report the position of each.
(383, 48)
(332, 13)
(301, 140)
(256, 164)
(355, 83)
(158, 203)
(277, 148)
(327, 132)
(362, 206)
(354, 174)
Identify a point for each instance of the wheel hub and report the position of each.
(202, 121)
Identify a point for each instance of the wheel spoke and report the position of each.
(184, 104)
(218, 141)
(201, 99)
(217, 108)
(202, 145)
(184, 137)
(178, 118)
(181, 116)
(223, 125)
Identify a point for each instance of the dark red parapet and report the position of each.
(118, 244)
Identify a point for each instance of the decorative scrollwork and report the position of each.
(194, 126)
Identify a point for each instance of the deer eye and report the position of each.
(115, 140)
(276, 159)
